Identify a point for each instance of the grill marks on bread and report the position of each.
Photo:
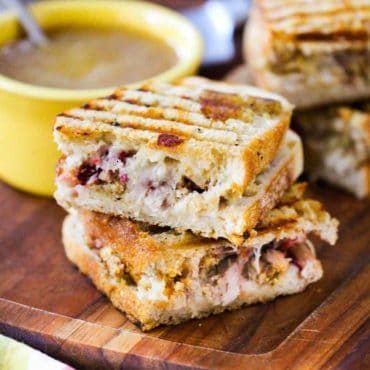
(335, 36)
(312, 20)
(209, 127)
(202, 114)
(221, 106)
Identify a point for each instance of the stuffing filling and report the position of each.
(217, 275)
(338, 67)
(263, 265)
(341, 153)
(336, 134)
(155, 182)
(117, 171)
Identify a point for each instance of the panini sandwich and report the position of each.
(337, 145)
(199, 155)
(160, 276)
(312, 52)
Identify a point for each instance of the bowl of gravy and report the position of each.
(93, 47)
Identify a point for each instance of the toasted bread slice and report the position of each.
(311, 52)
(158, 276)
(155, 192)
(337, 145)
(208, 128)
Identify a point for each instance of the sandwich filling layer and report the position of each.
(338, 68)
(218, 275)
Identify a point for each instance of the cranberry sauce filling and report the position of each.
(123, 178)
(111, 166)
(272, 259)
(96, 169)
(86, 172)
(289, 248)
(123, 156)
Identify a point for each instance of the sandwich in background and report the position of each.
(160, 276)
(337, 145)
(312, 52)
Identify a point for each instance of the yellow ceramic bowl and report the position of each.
(27, 151)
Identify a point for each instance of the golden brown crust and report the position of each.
(276, 188)
(257, 43)
(125, 235)
(89, 264)
(367, 169)
(364, 191)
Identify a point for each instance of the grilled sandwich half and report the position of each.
(160, 276)
(312, 52)
(199, 155)
(337, 145)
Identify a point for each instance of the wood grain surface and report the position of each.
(47, 303)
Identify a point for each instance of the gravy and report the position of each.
(86, 58)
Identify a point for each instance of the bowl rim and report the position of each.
(185, 65)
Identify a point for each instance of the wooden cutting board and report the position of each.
(47, 303)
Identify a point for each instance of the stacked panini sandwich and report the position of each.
(182, 201)
(317, 54)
